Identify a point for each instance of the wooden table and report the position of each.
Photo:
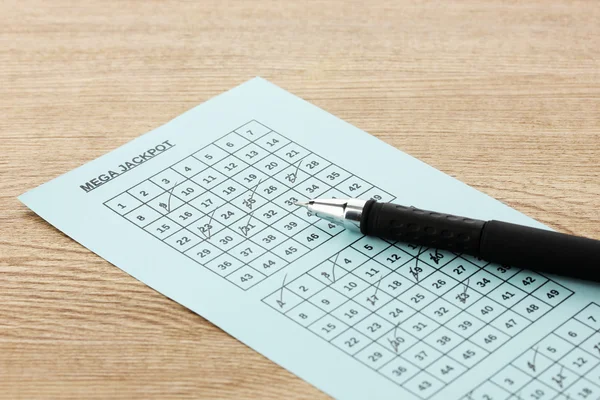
(502, 95)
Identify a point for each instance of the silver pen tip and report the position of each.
(302, 203)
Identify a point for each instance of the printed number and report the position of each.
(396, 313)
(528, 280)
(465, 325)
(207, 203)
(269, 238)
(205, 228)
(271, 166)
(270, 214)
(246, 252)
(417, 298)
(291, 225)
(531, 308)
(486, 310)
(226, 240)
(185, 215)
(312, 188)
(183, 240)
(510, 323)
(163, 228)
(209, 179)
(204, 253)
(441, 311)
(224, 265)
(250, 178)
(393, 258)
(438, 284)
(328, 328)
(483, 283)
(270, 190)
(459, 270)
(187, 191)
(227, 215)
(229, 190)
(312, 237)
(333, 176)
(419, 326)
(503, 269)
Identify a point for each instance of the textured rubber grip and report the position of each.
(423, 228)
(541, 250)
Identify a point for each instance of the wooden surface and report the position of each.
(502, 95)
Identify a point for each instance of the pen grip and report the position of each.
(422, 227)
(541, 250)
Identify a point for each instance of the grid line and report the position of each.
(218, 192)
(422, 361)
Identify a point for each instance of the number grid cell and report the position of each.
(419, 317)
(564, 364)
(230, 205)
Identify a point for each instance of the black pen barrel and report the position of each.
(541, 250)
(422, 227)
(493, 241)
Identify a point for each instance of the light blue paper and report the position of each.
(299, 311)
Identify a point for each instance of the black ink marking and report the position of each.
(415, 271)
(280, 302)
(252, 195)
(333, 268)
(532, 363)
(437, 257)
(394, 343)
(462, 297)
(373, 298)
(245, 229)
(377, 288)
(209, 221)
(170, 195)
(326, 275)
(296, 173)
(559, 378)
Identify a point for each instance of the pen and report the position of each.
(493, 241)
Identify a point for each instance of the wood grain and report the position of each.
(503, 95)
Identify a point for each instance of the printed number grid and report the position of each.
(231, 205)
(565, 364)
(420, 317)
